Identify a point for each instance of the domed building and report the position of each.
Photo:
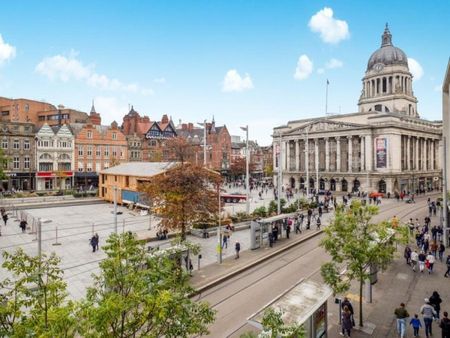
(384, 147)
(387, 85)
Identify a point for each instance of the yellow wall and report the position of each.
(109, 181)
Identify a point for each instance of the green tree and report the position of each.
(268, 170)
(3, 163)
(274, 327)
(138, 294)
(33, 298)
(354, 244)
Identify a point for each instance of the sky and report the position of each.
(244, 62)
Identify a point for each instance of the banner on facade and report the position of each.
(381, 151)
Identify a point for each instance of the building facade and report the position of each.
(22, 110)
(218, 145)
(446, 118)
(385, 147)
(134, 128)
(18, 146)
(155, 139)
(97, 148)
(54, 158)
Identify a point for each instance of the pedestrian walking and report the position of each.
(435, 302)
(97, 240)
(407, 255)
(346, 322)
(445, 325)
(416, 324)
(93, 243)
(23, 225)
(225, 241)
(428, 314)
(346, 303)
(447, 262)
(430, 262)
(288, 229)
(441, 251)
(422, 258)
(401, 314)
(318, 223)
(414, 258)
(237, 248)
(5, 218)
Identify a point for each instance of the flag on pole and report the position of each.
(244, 128)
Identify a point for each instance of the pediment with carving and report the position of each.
(325, 126)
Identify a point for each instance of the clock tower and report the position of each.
(387, 84)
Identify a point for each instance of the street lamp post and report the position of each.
(247, 158)
(219, 231)
(115, 208)
(279, 176)
(307, 162)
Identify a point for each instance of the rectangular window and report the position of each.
(89, 134)
(26, 144)
(114, 136)
(26, 162)
(89, 151)
(106, 165)
(16, 144)
(89, 166)
(98, 167)
(16, 162)
(115, 178)
(80, 150)
(127, 181)
(106, 151)
(98, 151)
(5, 143)
(114, 152)
(80, 166)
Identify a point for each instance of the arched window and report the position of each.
(382, 186)
(46, 157)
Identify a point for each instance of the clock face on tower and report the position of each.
(378, 67)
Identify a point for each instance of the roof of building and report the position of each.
(387, 54)
(141, 169)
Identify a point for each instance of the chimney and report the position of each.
(164, 119)
(190, 126)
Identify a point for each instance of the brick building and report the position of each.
(23, 110)
(97, 147)
(147, 139)
(218, 144)
(18, 146)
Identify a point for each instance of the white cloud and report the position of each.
(110, 108)
(334, 63)
(161, 80)
(7, 52)
(304, 67)
(331, 30)
(415, 68)
(234, 82)
(66, 68)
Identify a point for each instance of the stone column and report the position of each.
(363, 153)
(369, 152)
(288, 155)
(297, 155)
(416, 157)
(306, 157)
(350, 153)
(327, 155)
(432, 155)
(338, 154)
(408, 153)
(316, 154)
(423, 154)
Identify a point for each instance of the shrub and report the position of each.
(260, 212)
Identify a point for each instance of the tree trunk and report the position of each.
(361, 284)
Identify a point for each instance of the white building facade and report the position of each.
(385, 147)
(55, 158)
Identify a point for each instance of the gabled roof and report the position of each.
(140, 169)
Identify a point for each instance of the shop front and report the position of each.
(50, 180)
(86, 180)
(18, 181)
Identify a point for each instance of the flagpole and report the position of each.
(326, 98)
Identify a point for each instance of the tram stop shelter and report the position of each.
(259, 229)
(304, 304)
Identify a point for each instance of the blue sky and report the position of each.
(236, 60)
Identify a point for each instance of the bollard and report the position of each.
(123, 226)
(56, 237)
(198, 261)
